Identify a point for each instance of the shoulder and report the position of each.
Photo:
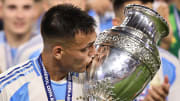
(31, 49)
(36, 44)
(22, 81)
(36, 39)
(16, 75)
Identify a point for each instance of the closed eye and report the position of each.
(84, 49)
(87, 47)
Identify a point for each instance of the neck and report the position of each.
(52, 68)
(15, 40)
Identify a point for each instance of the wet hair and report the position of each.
(118, 3)
(64, 21)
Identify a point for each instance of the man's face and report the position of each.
(77, 57)
(18, 16)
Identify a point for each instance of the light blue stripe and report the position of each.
(20, 75)
(22, 94)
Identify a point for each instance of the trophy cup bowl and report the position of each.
(127, 57)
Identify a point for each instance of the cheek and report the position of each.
(7, 18)
(76, 59)
(29, 22)
(30, 18)
(80, 60)
(9, 22)
(8, 14)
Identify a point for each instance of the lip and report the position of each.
(19, 24)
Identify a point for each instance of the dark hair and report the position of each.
(118, 3)
(64, 21)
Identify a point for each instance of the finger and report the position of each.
(159, 90)
(148, 97)
(165, 88)
(155, 96)
(166, 84)
(166, 79)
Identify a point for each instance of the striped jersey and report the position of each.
(24, 82)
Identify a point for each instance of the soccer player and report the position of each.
(17, 41)
(68, 34)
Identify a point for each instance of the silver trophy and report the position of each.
(127, 57)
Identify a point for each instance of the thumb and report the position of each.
(166, 79)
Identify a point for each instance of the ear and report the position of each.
(57, 52)
(116, 22)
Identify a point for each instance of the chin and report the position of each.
(19, 32)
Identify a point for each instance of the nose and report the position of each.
(92, 51)
(20, 14)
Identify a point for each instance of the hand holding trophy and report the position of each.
(127, 57)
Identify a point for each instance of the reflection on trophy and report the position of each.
(127, 57)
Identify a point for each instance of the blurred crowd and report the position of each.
(20, 38)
